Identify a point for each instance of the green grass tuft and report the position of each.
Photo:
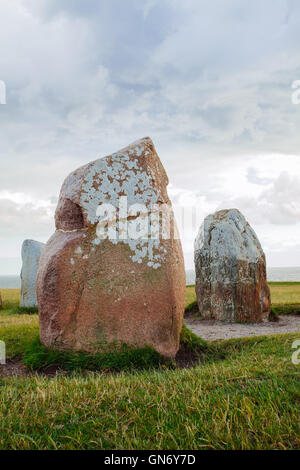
(192, 342)
(192, 307)
(117, 357)
(18, 338)
(36, 357)
(24, 311)
(286, 309)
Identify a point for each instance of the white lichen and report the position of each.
(105, 181)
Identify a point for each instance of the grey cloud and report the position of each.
(210, 75)
(48, 9)
(22, 221)
(210, 82)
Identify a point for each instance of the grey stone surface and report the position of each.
(230, 267)
(31, 252)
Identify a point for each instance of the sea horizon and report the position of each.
(274, 274)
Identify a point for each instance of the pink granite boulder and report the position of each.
(93, 291)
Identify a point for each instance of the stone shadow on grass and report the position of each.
(36, 358)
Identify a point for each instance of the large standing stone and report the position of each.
(230, 267)
(31, 252)
(93, 291)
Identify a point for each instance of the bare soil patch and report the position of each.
(15, 367)
(185, 359)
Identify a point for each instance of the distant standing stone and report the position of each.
(0, 301)
(122, 289)
(231, 283)
(31, 252)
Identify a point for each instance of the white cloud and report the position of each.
(23, 217)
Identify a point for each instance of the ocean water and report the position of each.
(10, 282)
(274, 274)
(283, 274)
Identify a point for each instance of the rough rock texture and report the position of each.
(93, 291)
(31, 252)
(230, 267)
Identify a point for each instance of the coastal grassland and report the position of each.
(285, 297)
(285, 293)
(244, 395)
(10, 298)
(190, 295)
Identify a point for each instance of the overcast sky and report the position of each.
(209, 81)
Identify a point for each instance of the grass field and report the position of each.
(285, 296)
(244, 395)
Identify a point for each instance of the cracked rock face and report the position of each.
(31, 253)
(93, 291)
(230, 265)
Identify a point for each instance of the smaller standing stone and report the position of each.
(31, 252)
(231, 283)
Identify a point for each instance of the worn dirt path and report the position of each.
(213, 329)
